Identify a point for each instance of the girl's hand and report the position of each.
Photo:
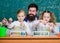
(23, 25)
(44, 22)
(51, 25)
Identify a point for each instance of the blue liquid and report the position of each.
(22, 33)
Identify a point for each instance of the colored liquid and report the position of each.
(3, 32)
(23, 33)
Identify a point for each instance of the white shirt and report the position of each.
(32, 25)
(17, 23)
(55, 29)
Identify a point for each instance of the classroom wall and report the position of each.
(8, 8)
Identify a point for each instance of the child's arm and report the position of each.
(11, 25)
(43, 21)
(54, 28)
(23, 25)
(51, 25)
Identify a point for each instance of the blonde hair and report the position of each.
(53, 19)
(20, 11)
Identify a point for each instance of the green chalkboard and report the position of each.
(8, 8)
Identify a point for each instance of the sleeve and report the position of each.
(28, 30)
(35, 25)
(56, 30)
(11, 25)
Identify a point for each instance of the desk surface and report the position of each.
(30, 37)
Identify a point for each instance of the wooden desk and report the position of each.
(30, 39)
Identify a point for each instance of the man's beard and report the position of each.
(31, 17)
